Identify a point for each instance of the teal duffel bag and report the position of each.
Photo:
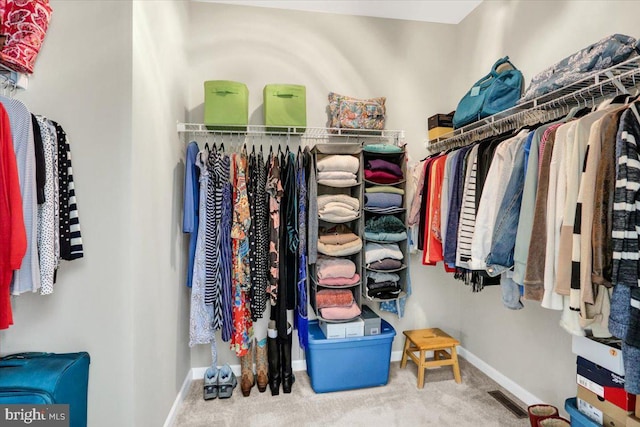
(495, 92)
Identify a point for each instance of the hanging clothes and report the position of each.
(301, 317)
(275, 191)
(226, 219)
(12, 226)
(191, 208)
(46, 211)
(243, 326)
(201, 315)
(27, 278)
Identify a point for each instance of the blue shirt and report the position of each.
(191, 204)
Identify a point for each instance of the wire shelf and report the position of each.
(315, 133)
(585, 92)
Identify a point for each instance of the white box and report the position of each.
(342, 330)
(601, 354)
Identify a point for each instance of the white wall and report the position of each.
(160, 297)
(362, 57)
(528, 346)
(82, 80)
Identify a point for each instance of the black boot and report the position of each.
(285, 356)
(273, 354)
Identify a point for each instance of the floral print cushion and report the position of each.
(604, 54)
(351, 113)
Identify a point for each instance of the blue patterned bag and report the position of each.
(604, 54)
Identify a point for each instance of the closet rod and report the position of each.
(585, 92)
(339, 135)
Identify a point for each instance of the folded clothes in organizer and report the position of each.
(382, 148)
(384, 189)
(382, 285)
(337, 235)
(383, 165)
(374, 276)
(336, 175)
(338, 182)
(342, 249)
(377, 251)
(338, 215)
(330, 267)
(339, 162)
(342, 199)
(385, 264)
(387, 293)
(386, 237)
(340, 313)
(381, 177)
(390, 210)
(385, 224)
(340, 281)
(334, 298)
(382, 200)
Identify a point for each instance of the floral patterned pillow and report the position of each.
(352, 113)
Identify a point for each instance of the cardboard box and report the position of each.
(602, 352)
(633, 421)
(438, 132)
(440, 120)
(599, 410)
(604, 383)
(637, 407)
(342, 330)
(371, 321)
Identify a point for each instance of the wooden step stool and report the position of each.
(435, 340)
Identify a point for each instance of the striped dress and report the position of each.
(225, 251)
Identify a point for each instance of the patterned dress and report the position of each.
(275, 191)
(260, 226)
(201, 317)
(243, 325)
(301, 309)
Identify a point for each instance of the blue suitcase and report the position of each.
(47, 378)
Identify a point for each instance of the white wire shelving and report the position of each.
(590, 90)
(324, 135)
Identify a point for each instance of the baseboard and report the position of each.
(182, 394)
(510, 385)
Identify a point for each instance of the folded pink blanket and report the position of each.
(334, 267)
(334, 298)
(340, 313)
(339, 281)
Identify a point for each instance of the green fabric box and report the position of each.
(285, 106)
(226, 105)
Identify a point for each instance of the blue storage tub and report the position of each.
(578, 419)
(348, 363)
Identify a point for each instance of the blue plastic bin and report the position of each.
(578, 419)
(348, 363)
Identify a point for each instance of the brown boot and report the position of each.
(248, 379)
(262, 365)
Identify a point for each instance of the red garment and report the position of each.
(432, 248)
(13, 236)
(381, 177)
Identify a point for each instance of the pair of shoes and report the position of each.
(211, 383)
(219, 382)
(227, 381)
(279, 353)
(247, 377)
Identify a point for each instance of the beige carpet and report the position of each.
(442, 402)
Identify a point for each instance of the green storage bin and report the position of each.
(226, 105)
(285, 106)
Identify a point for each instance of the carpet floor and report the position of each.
(442, 402)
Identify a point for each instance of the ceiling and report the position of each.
(442, 11)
